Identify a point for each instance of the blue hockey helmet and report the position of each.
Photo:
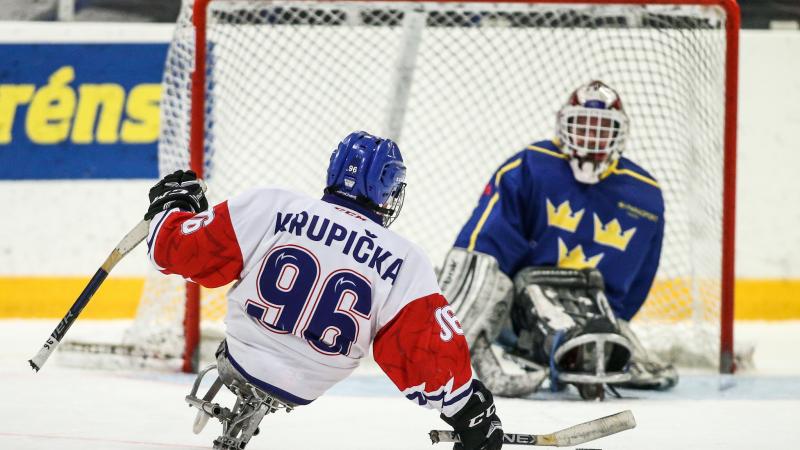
(370, 170)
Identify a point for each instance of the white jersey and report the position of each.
(318, 281)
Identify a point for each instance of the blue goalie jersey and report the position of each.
(534, 213)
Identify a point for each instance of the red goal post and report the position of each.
(199, 123)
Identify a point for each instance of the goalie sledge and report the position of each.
(548, 321)
(575, 202)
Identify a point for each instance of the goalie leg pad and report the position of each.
(563, 319)
(647, 370)
(502, 373)
(481, 296)
(479, 292)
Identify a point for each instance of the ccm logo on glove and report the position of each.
(479, 418)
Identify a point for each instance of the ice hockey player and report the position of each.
(317, 282)
(558, 256)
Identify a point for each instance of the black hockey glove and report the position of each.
(179, 190)
(477, 424)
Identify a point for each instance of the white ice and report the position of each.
(68, 409)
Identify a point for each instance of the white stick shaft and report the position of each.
(574, 435)
(589, 431)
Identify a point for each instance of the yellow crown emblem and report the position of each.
(562, 216)
(611, 234)
(575, 259)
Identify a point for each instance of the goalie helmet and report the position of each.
(592, 127)
(370, 170)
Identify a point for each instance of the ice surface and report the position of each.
(65, 408)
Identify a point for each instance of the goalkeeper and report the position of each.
(557, 258)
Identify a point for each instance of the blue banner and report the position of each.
(79, 110)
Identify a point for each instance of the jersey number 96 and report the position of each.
(292, 300)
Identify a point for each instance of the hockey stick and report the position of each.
(128, 243)
(131, 240)
(574, 435)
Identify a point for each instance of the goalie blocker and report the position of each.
(562, 325)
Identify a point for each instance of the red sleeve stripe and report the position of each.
(429, 364)
(201, 247)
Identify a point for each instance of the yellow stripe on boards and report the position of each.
(51, 297)
(754, 299)
(117, 298)
(767, 299)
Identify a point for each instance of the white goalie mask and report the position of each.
(592, 127)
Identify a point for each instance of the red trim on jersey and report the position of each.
(411, 351)
(209, 254)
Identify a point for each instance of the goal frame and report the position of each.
(726, 358)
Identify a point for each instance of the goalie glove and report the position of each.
(477, 424)
(180, 190)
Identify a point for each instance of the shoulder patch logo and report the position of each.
(611, 234)
(575, 258)
(563, 217)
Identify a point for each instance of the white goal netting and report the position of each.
(461, 87)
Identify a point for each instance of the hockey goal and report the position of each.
(261, 92)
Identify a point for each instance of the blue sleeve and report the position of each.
(644, 280)
(496, 225)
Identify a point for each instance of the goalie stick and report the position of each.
(128, 243)
(574, 435)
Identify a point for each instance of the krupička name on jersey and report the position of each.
(361, 245)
